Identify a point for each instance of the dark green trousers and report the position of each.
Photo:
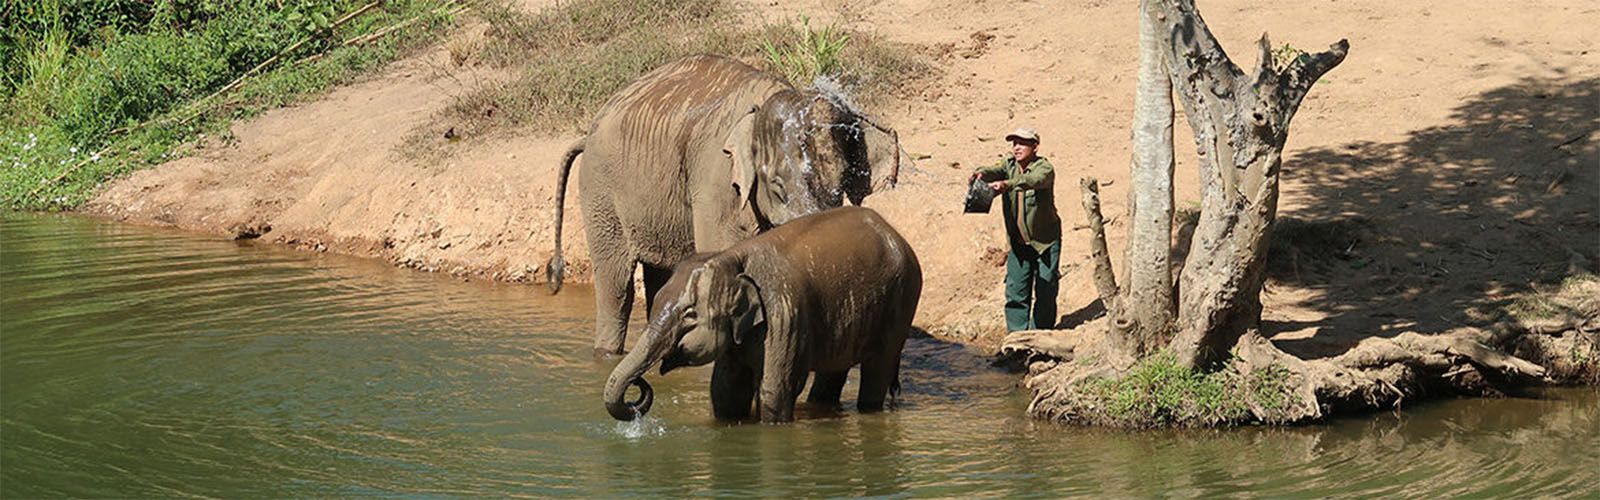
(1032, 279)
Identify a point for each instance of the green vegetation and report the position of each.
(806, 54)
(1157, 392)
(96, 89)
(1282, 56)
(569, 59)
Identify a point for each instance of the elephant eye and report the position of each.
(690, 318)
(777, 188)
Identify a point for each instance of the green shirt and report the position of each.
(1029, 205)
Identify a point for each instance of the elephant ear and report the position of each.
(884, 156)
(749, 313)
(740, 148)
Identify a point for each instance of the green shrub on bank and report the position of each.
(1158, 392)
(132, 86)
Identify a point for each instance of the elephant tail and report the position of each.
(555, 269)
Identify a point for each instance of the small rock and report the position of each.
(249, 231)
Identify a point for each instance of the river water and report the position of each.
(137, 362)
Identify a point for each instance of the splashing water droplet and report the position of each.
(641, 427)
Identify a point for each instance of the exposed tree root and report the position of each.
(1378, 373)
(1571, 356)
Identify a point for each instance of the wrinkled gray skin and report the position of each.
(694, 156)
(820, 294)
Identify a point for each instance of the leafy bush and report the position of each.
(80, 89)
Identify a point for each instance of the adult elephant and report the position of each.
(694, 156)
(820, 294)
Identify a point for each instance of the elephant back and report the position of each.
(697, 94)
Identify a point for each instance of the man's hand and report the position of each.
(1000, 187)
(975, 175)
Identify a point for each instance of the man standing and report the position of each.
(1026, 182)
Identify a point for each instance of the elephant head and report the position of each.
(801, 152)
(707, 307)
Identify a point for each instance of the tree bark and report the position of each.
(1105, 281)
(1240, 126)
(1148, 296)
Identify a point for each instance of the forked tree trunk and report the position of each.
(1240, 125)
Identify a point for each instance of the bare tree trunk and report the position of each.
(1240, 125)
(1148, 296)
(1104, 282)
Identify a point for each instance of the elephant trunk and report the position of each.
(629, 410)
(651, 348)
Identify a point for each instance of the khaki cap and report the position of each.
(1024, 133)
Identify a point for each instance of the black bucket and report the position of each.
(979, 197)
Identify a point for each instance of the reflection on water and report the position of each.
(139, 362)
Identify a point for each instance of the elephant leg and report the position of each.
(879, 375)
(780, 387)
(733, 388)
(613, 278)
(785, 362)
(654, 279)
(826, 388)
(613, 301)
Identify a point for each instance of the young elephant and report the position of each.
(822, 293)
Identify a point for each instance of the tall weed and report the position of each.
(802, 55)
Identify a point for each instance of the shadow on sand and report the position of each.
(1445, 228)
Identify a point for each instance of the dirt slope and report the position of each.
(1446, 165)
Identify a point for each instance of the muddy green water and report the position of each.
(146, 363)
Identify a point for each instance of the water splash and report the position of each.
(835, 91)
(641, 427)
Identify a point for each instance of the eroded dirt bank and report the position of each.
(1446, 166)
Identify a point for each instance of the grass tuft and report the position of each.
(1158, 392)
(803, 54)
